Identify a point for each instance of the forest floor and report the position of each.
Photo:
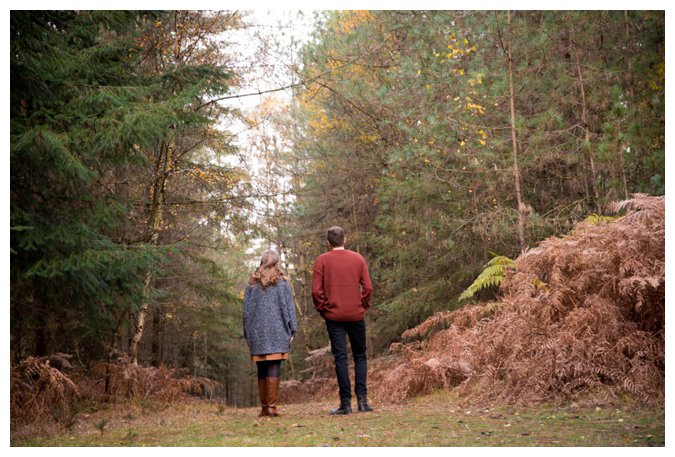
(431, 420)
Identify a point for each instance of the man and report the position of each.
(341, 291)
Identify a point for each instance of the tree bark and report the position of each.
(155, 223)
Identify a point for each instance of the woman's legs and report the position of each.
(269, 372)
(262, 388)
(274, 368)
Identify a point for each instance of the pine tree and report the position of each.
(90, 115)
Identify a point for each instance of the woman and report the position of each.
(269, 326)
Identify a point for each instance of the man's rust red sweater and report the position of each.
(341, 286)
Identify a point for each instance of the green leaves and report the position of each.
(491, 276)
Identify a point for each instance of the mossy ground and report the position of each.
(432, 420)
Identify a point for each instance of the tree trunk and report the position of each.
(154, 223)
(629, 92)
(516, 169)
(587, 133)
(300, 306)
(157, 336)
(629, 53)
(354, 221)
(622, 166)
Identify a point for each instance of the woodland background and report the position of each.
(437, 139)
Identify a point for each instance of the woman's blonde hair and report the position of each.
(268, 272)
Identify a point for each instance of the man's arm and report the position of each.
(366, 286)
(318, 293)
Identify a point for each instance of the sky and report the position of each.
(265, 52)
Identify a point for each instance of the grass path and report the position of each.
(433, 420)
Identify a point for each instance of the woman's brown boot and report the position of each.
(262, 389)
(272, 396)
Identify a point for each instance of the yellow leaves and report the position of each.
(475, 108)
(456, 50)
(319, 165)
(483, 137)
(321, 123)
(658, 78)
(349, 20)
(206, 175)
(369, 137)
(477, 80)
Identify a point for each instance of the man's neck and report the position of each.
(339, 248)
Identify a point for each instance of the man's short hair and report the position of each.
(336, 236)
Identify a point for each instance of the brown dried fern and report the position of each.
(584, 315)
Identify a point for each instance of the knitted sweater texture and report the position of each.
(341, 286)
(269, 318)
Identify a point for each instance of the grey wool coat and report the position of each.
(269, 318)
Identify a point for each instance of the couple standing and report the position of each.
(341, 291)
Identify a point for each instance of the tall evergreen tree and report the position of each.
(92, 117)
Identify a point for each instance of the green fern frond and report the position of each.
(492, 275)
(596, 218)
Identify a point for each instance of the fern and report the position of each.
(596, 218)
(492, 275)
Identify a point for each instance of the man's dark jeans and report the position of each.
(337, 332)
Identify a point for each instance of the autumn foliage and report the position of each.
(47, 392)
(581, 316)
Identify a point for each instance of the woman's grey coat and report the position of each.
(269, 318)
